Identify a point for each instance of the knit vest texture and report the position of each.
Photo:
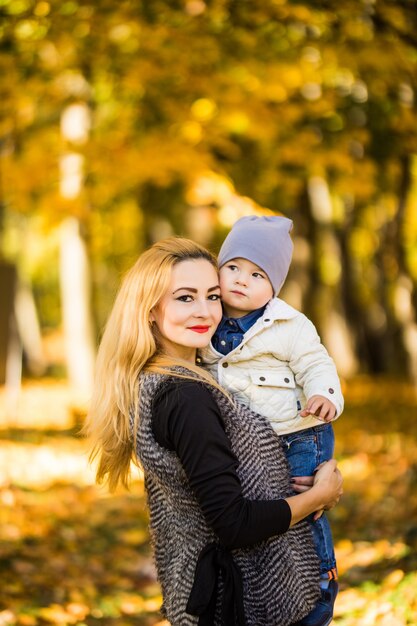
(280, 575)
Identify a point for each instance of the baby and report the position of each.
(269, 356)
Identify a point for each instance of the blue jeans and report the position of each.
(305, 450)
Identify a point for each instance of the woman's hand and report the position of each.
(300, 484)
(316, 493)
(329, 480)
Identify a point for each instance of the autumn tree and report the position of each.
(307, 108)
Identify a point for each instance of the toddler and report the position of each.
(269, 356)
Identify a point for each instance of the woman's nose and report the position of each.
(202, 309)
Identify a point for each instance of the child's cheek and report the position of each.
(226, 301)
(222, 282)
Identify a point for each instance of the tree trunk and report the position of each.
(405, 289)
(326, 303)
(29, 330)
(75, 279)
(76, 309)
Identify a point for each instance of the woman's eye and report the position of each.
(214, 297)
(185, 298)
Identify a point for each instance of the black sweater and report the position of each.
(186, 419)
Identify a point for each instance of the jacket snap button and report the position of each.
(286, 380)
(262, 378)
(225, 364)
(267, 319)
(331, 390)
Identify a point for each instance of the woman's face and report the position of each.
(189, 312)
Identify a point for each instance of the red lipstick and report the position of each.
(199, 329)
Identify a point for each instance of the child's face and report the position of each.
(244, 286)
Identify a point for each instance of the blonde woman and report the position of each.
(230, 544)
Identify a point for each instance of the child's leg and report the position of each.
(305, 450)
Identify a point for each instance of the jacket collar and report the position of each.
(276, 309)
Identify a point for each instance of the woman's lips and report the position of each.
(199, 329)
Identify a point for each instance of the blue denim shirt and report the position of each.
(230, 331)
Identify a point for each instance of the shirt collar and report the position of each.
(245, 322)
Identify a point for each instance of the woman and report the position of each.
(230, 546)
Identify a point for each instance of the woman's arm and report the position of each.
(186, 419)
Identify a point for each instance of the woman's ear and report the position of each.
(151, 317)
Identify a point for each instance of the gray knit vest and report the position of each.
(280, 575)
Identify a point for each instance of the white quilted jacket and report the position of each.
(279, 364)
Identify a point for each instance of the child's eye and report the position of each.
(232, 267)
(258, 275)
(186, 298)
(214, 297)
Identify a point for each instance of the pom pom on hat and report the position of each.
(265, 241)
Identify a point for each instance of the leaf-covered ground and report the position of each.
(72, 554)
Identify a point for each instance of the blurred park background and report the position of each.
(124, 122)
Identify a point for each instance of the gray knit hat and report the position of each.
(264, 241)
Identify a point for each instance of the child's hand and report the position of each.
(321, 407)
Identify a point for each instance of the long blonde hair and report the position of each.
(127, 348)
